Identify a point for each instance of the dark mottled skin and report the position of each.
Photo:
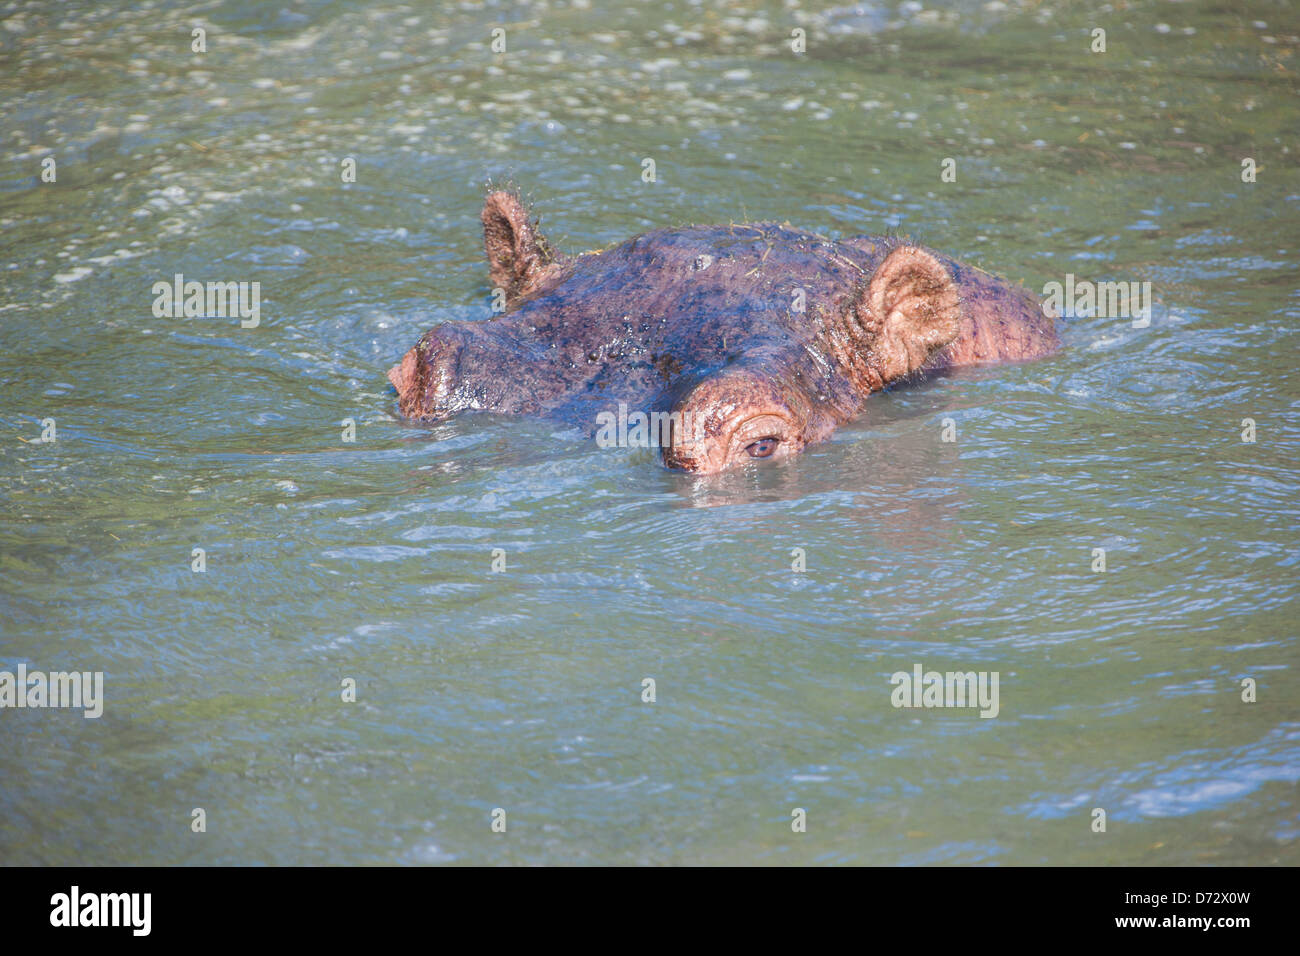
(703, 319)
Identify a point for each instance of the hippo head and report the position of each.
(698, 326)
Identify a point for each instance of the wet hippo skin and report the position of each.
(754, 340)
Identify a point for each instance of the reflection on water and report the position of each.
(769, 604)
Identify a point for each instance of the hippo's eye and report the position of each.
(762, 448)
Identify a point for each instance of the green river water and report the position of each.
(370, 561)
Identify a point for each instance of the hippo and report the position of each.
(736, 343)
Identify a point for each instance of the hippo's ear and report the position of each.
(517, 253)
(912, 305)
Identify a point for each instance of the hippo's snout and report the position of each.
(427, 375)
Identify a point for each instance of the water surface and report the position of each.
(372, 560)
